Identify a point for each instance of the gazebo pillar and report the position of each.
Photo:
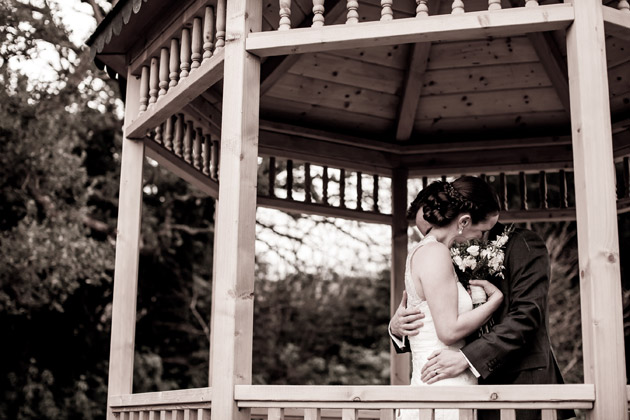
(399, 363)
(233, 297)
(598, 244)
(127, 252)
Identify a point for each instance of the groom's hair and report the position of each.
(442, 202)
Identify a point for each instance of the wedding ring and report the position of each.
(436, 372)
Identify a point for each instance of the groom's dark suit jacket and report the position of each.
(518, 349)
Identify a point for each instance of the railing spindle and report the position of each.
(144, 88)
(544, 204)
(153, 80)
(198, 140)
(312, 414)
(425, 182)
(325, 185)
(289, 179)
(189, 414)
(214, 160)
(163, 71)
(349, 414)
(353, 14)
(421, 8)
(494, 4)
(275, 414)
(206, 154)
(503, 194)
(153, 415)
(531, 3)
(522, 180)
(184, 54)
(158, 134)
(483, 177)
(508, 414)
(163, 415)
(168, 133)
(359, 191)
(387, 13)
(173, 65)
(203, 414)
(375, 193)
(179, 135)
(564, 202)
(307, 182)
(626, 177)
(272, 177)
(426, 414)
(549, 415)
(285, 15)
(624, 6)
(342, 188)
(177, 415)
(220, 24)
(188, 136)
(196, 43)
(318, 13)
(457, 7)
(444, 178)
(208, 32)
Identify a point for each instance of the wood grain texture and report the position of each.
(598, 246)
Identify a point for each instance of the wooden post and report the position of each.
(233, 294)
(127, 251)
(598, 246)
(399, 363)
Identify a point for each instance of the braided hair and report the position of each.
(442, 202)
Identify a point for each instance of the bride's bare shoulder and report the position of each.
(432, 251)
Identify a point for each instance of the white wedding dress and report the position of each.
(427, 341)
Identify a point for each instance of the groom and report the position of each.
(518, 349)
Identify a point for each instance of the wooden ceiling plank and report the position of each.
(413, 88)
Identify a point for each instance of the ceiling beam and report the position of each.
(418, 60)
(552, 60)
(275, 67)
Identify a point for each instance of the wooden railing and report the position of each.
(380, 402)
(184, 61)
(185, 404)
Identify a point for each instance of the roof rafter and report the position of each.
(418, 60)
(275, 67)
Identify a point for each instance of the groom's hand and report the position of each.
(443, 364)
(406, 321)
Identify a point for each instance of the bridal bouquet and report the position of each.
(480, 260)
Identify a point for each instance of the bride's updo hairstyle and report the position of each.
(442, 202)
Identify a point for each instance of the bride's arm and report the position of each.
(432, 268)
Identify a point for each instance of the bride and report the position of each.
(446, 213)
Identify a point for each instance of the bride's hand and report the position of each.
(492, 291)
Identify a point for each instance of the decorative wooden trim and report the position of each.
(179, 167)
(596, 203)
(538, 215)
(301, 207)
(500, 23)
(188, 88)
(616, 23)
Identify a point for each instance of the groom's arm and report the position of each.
(528, 268)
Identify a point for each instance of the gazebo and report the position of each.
(379, 91)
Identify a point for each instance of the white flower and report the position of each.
(459, 262)
(473, 250)
(486, 253)
(470, 262)
(500, 241)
